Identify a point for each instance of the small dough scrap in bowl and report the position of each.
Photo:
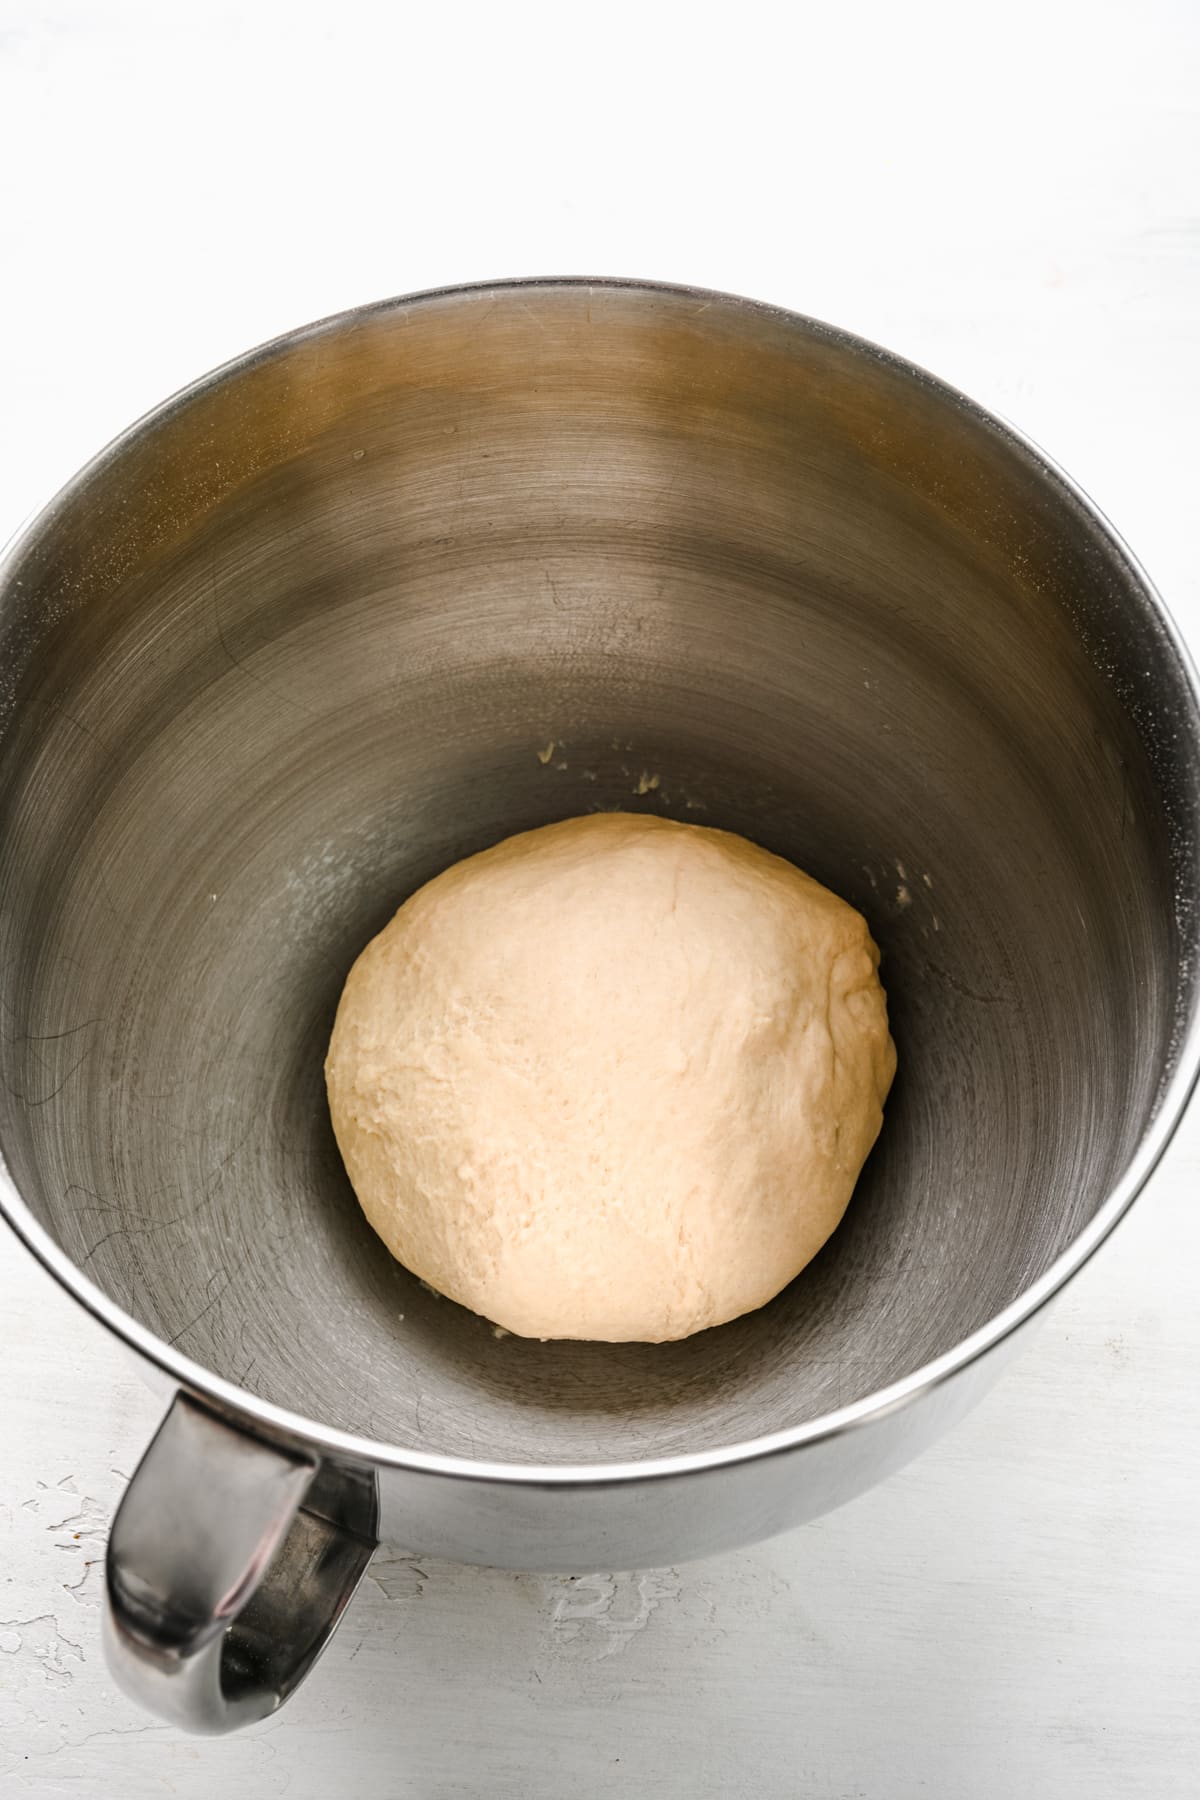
(611, 1079)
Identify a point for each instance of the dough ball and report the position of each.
(611, 1079)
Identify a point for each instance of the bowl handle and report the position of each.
(223, 1582)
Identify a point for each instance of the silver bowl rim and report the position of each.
(280, 1423)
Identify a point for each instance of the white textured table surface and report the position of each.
(1015, 203)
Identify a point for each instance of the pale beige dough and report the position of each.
(611, 1079)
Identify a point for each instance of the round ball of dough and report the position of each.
(611, 1079)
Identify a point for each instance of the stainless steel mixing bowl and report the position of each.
(435, 571)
